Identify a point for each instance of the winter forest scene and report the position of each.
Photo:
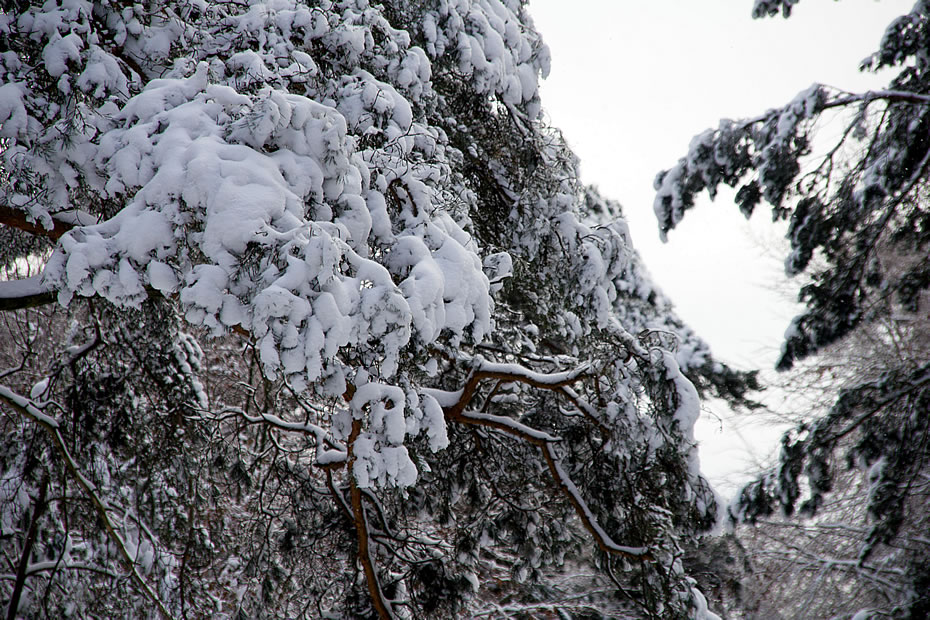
(307, 311)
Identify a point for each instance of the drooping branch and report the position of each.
(586, 409)
(29, 409)
(889, 96)
(330, 454)
(455, 411)
(337, 496)
(604, 541)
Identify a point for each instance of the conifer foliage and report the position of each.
(859, 228)
(306, 314)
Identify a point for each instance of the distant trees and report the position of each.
(823, 565)
(859, 227)
(307, 314)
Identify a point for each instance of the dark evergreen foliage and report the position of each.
(858, 216)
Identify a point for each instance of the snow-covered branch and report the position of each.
(25, 293)
(604, 541)
(558, 382)
(29, 409)
(456, 402)
(61, 222)
(329, 452)
(360, 517)
(503, 423)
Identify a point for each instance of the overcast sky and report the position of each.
(633, 82)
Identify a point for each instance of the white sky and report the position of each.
(633, 81)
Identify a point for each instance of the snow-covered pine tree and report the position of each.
(859, 228)
(306, 314)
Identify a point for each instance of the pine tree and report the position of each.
(307, 314)
(859, 229)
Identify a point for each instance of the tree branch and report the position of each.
(361, 527)
(557, 382)
(513, 373)
(891, 96)
(604, 541)
(25, 293)
(62, 222)
(22, 569)
(26, 407)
